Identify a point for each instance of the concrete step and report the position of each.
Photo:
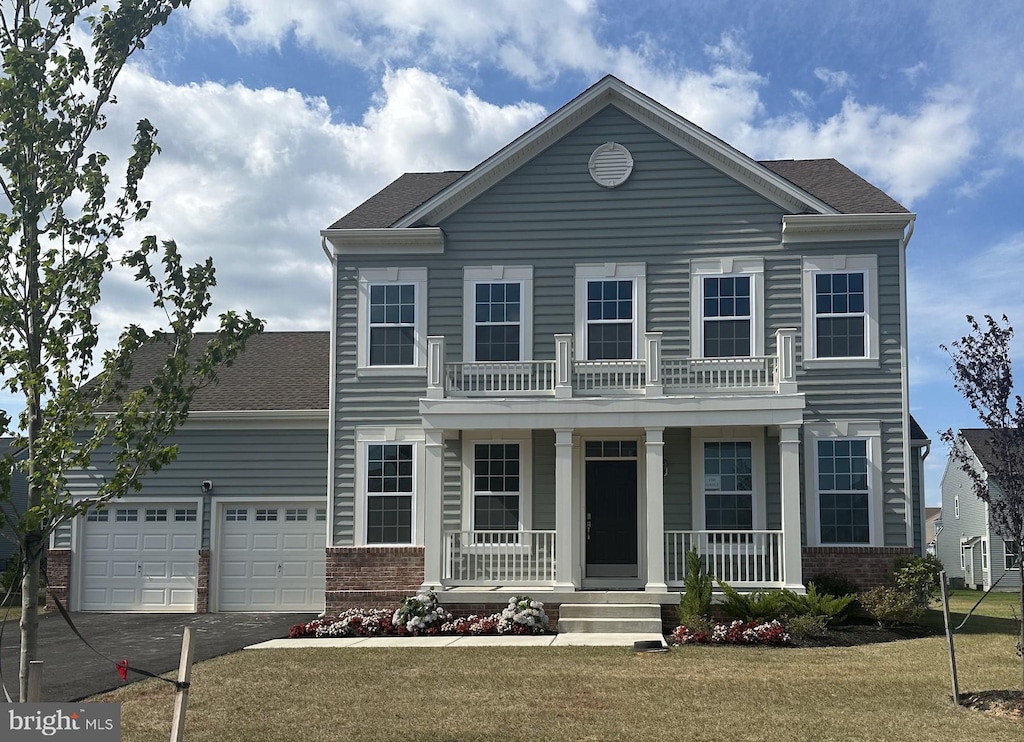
(609, 626)
(597, 610)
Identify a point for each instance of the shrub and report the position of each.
(753, 607)
(807, 625)
(420, 614)
(695, 601)
(919, 576)
(817, 605)
(831, 584)
(891, 605)
(523, 616)
(11, 575)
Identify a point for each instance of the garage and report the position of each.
(140, 557)
(271, 556)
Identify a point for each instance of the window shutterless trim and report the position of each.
(834, 264)
(635, 272)
(369, 277)
(701, 268)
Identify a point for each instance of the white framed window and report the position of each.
(184, 515)
(320, 515)
(956, 507)
(497, 483)
(841, 311)
(610, 311)
(963, 554)
(984, 555)
(126, 515)
(236, 514)
(266, 515)
(156, 515)
(97, 516)
(729, 479)
(727, 307)
(498, 313)
(389, 478)
(1009, 554)
(392, 319)
(296, 514)
(844, 480)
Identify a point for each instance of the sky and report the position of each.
(276, 118)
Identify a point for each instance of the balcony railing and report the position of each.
(652, 376)
(744, 559)
(499, 558)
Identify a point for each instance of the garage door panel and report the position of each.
(184, 597)
(156, 541)
(96, 568)
(125, 542)
(122, 568)
(183, 541)
(183, 569)
(285, 558)
(97, 541)
(160, 570)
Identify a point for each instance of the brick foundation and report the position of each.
(372, 576)
(58, 576)
(203, 582)
(865, 566)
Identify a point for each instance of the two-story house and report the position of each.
(617, 339)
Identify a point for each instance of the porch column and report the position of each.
(654, 448)
(565, 512)
(432, 497)
(789, 472)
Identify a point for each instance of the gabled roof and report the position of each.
(800, 186)
(283, 371)
(980, 441)
(917, 432)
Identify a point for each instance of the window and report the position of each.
(727, 317)
(610, 311)
(320, 515)
(497, 334)
(389, 491)
(984, 555)
(266, 514)
(956, 507)
(725, 306)
(843, 492)
(496, 487)
(840, 316)
(296, 514)
(156, 515)
(841, 311)
(126, 515)
(963, 555)
(728, 486)
(236, 514)
(1010, 554)
(184, 515)
(97, 516)
(392, 309)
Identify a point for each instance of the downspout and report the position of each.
(331, 406)
(905, 390)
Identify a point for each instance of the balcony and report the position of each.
(653, 376)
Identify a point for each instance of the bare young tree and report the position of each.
(59, 219)
(983, 374)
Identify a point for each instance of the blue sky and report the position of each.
(276, 118)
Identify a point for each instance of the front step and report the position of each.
(618, 618)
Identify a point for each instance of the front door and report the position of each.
(611, 518)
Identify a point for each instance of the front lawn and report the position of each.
(894, 691)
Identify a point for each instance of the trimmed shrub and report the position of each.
(891, 605)
(759, 607)
(818, 605)
(919, 576)
(807, 625)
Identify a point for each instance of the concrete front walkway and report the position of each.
(543, 640)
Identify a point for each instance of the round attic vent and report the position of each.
(610, 165)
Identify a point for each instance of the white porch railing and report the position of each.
(744, 559)
(652, 376)
(499, 557)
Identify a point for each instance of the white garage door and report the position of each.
(272, 557)
(140, 558)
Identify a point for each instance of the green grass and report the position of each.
(895, 691)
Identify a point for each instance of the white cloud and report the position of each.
(914, 72)
(833, 79)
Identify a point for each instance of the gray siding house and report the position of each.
(614, 340)
(970, 550)
(239, 521)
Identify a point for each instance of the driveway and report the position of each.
(150, 641)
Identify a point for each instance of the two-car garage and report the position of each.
(265, 555)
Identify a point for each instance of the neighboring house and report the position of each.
(12, 508)
(616, 339)
(238, 521)
(972, 553)
(932, 519)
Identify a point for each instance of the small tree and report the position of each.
(982, 373)
(59, 220)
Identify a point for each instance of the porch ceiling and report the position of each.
(612, 412)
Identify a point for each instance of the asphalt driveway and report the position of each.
(150, 641)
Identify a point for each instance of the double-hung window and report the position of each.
(841, 311)
(728, 485)
(610, 311)
(392, 321)
(1010, 554)
(844, 491)
(498, 309)
(390, 483)
(726, 307)
(497, 487)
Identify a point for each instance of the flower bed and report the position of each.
(737, 632)
(421, 615)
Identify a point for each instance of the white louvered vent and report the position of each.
(610, 165)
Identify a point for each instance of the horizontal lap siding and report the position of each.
(543, 480)
(678, 480)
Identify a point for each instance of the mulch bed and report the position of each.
(1004, 703)
(858, 633)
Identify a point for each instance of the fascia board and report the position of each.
(666, 122)
(824, 227)
(386, 241)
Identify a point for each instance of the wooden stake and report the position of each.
(188, 651)
(35, 681)
(949, 636)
